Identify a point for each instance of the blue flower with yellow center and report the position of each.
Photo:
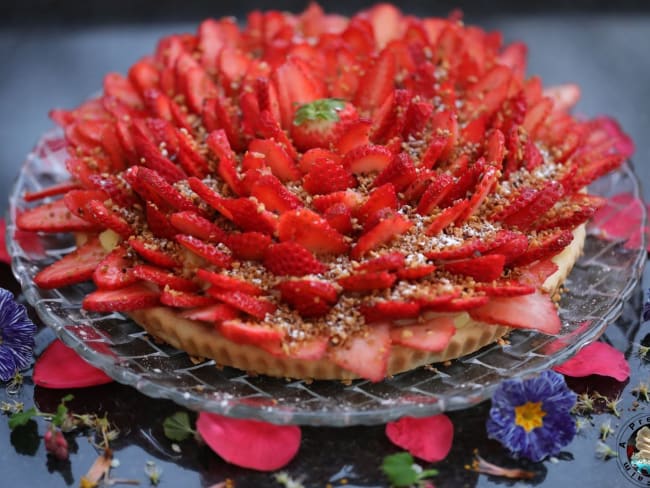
(532, 417)
(16, 336)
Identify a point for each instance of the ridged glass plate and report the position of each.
(598, 286)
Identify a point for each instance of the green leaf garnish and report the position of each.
(401, 470)
(61, 411)
(177, 426)
(326, 109)
(21, 418)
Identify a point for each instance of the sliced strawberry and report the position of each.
(384, 310)
(537, 273)
(350, 198)
(390, 118)
(295, 86)
(76, 200)
(269, 128)
(339, 216)
(437, 190)
(417, 116)
(207, 251)
(400, 172)
(519, 202)
(255, 334)
(321, 122)
(152, 158)
(248, 245)
(367, 281)
(116, 188)
(356, 134)
(311, 231)
(257, 307)
(416, 272)
(291, 259)
(52, 191)
(387, 229)
(310, 157)
(158, 222)
(482, 268)
(504, 288)
(495, 148)
(225, 282)
(460, 304)
(274, 195)
(465, 183)
(446, 217)
(247, 214)
(214, 314)
(433, 335)
(276, 158)
(166, 195)
(389, 261)
(162, 277)
(310, 298)
(543, 200)
(535, 311)
(157, 251)
(482, 190)
(328, 176)
(218, 113)
(76, 267)
(53, 217)
(545, 246)
(193, 224)
(132, 297)
(366, 354)
(377, 83)
(309, 349)
(107, 219)
(218, 143)
(380, 198)
(117, 86)
(115, 270)
(436, 147)
(183, 299)
(367, 159)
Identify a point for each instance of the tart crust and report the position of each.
(200, 339)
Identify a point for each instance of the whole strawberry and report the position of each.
(321, 122)
(56, 444)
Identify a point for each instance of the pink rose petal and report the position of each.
(623, 143)
(249, 443)
(4, 255)
(61, 367)
(596, 358)
(427, 438)
(620, 218)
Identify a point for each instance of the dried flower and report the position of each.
(642, 391)
(606, 430)
(56, 443)
(532, 417)
(16, 336)
(604, 452)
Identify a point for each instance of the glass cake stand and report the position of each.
(597, 288)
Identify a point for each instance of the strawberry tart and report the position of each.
(317, 196)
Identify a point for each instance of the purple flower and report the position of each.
(532, 417)
(16, 336)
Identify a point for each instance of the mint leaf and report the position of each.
(325, 109)
(177, 426)
(21, 418)
(399, 469)
(61, 411)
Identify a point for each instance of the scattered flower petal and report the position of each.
(4, 255)
(480, 465)
(16, 336)
(622, 142)
(532, 417)
(596, 358)
(61, 367)
(621, 219)
(427, 438)
(249, 443)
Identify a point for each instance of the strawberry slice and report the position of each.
(328, 176)
(460, 304)
(295, 85)
(225, 282)
(310, 157)
(76, 200)
(350, 198)
(248, 245)
(368, 281)
(390, 118)
(390, 310)
(367, 159)
(545, 246)
(291, 259)
(162, 277)
(543, 200)
(416, 272)
(437, 190)
(115, 270)
(484, 187)
(365, 355)
(400, 173)
(389, 261)
(380, 198)
(274, 195)
(377, 83)
(517, 311)
(504, 288)
(310, 298)
(53, 217)
(251, 333)
(132, 297)
(387, 229)
(247, 214)
(116, 189)
(257, 307)
(158, 222)
(312, 231)
(191, 223)
(76, 267)
(276, 158)
(482, 268)
(356, 134)
(157, 251)
(52, 191)
(321, 122)
(97, 212)
(214, 314)
(219, 113)
(207, 251)
(218, 143)
(164, 194)
(446, 217)
(434, 335)
(183, 299)
(537, 273)
(152, 158)
(339, 216)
